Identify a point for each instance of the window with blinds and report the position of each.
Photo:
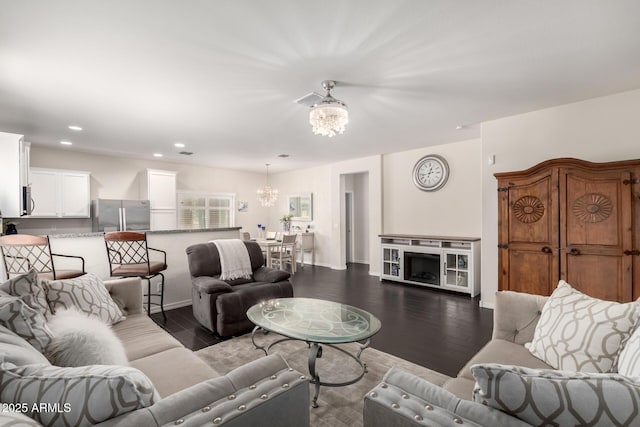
(197, 210)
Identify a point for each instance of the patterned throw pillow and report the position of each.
(113, 391)
(86, 293)
(17, 350)
(629, 360)
(24, 321)
(546, 397)
(27, 287)
(579, 333)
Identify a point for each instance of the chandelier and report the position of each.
(329, 115)
(267, 195)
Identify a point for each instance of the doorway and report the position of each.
(348, 229)
(355, 218)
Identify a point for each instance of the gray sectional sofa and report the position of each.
(403, 399)
(262, 393)
(515, 388)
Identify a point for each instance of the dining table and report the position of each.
(267, 245)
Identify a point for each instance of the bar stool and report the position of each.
(22, 252)
(128, 255)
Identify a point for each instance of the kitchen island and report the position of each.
(177, 291)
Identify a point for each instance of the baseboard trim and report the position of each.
(170, 306)
(485, 304)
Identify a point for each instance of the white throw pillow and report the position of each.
(80, 339)
(579, 333)
(81, 396)
(87, 293)
(629, 361)
(559, 398)
(24, 321)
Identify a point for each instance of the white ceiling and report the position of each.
(221, 76)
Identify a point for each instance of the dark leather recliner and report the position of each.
(221, 306)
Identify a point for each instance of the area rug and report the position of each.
(339, 406)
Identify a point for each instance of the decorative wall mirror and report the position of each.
(301, 207)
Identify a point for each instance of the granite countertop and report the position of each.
(100, 233)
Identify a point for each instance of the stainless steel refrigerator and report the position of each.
(121, 215)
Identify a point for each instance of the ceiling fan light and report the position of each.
(330, 115)
(327, 119)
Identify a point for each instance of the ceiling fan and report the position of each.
(328, 116)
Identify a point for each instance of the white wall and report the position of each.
(598, 130)
(316, 181)
(358, 185)
(455, 210)
(360, 182)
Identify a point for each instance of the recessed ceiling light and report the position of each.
(66, 142)
(284, 156)
(157, 154)
(179, 145)
(459, 127)
(74, 127)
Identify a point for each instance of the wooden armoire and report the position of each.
(573, 220)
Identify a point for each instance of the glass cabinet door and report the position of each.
(391, 262)
(457, 269)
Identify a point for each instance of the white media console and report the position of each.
(451, 263)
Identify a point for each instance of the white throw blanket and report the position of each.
(234, 259)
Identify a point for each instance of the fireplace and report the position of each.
(422, 267)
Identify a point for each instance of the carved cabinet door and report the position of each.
(528, 232)
(595, 229)
(573, 220)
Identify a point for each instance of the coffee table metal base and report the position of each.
(315, 352)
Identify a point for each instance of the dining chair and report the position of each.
(270, 235)
(306, 244)
(128, 255)
(22, 252)
(285, 253)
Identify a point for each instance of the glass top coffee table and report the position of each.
(316, 322)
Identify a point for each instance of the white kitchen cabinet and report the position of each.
(58, 193)
(44, 193)
(159, 187)
(75, 199)
(14, 175)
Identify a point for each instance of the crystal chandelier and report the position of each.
(329, 116)
(267, 195)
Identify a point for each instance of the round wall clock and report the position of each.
(431, 173)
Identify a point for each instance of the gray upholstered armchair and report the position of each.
(221, 306)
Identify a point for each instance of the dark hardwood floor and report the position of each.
(435, 329)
